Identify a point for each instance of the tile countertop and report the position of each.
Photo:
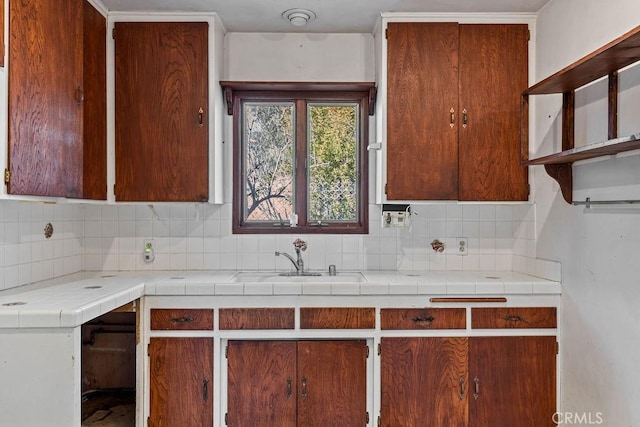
(72, 300)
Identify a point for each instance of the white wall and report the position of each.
(299, 57)
(599, 248)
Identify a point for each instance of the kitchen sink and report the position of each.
(277, 277)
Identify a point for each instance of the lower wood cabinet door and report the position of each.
(477, 382)
(303, 383)
(424, 382)
(513, 381)
(181, 382)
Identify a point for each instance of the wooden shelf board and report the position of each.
(607, 148)
(621, 52)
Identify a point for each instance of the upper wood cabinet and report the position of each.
(57, 99)
(161, 117)
(453, 111)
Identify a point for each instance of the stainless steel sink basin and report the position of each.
(276, 277)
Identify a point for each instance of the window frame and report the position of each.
(301, 94)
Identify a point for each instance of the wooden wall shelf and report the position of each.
(606, 148)
(623, 51)
(606, 61)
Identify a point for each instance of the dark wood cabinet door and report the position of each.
(493, 74)
(181, 382)
(332, 383)
(512, 381)
(161, 120)
(45, 82)
(94, 115)
(422, 102)
(262, 384)
(424, 382)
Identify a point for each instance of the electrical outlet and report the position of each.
(463, 246)
(147, 251)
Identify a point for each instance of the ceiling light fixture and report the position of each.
(299, 17)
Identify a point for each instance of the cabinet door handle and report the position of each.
(425, 320)
(182, 319)
(205, 388)
(304, 388)
(461, 388)
(513, 318)
(465, 118)
(79, 95)
(477, 393)
(289, 381)
(452, 117)
(200, 114)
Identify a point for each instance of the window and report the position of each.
(300, 158)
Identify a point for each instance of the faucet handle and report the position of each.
(300, 244)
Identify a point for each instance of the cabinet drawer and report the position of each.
(513, 317)
(337, 318)
(181, 319)
(257, 318)
(423, 318)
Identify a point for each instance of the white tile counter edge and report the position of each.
(73, 300)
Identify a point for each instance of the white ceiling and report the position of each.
(333, 16)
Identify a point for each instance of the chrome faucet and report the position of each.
(299, 245)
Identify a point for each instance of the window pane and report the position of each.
(268, 135)
(332, 160)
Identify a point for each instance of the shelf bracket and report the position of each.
(563, 174)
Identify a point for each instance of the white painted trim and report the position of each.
(99, 6)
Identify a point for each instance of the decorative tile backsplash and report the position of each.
(198, 237)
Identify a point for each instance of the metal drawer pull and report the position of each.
(200, 113)
(182, 319)
(461, 388)
(452, 117)
(304, 388)
(465, 118)
(289, 387)
(477, 393)
(514, 318)
(79, 95)
(205, 388)
(426, 320)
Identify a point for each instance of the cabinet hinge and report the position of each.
(226, 352)
(528, 35)
(226, 418)
(386, 187)
(367, 417)
(149, 349)
(557, 347)
(7, 176)
(148, 421)
(379, 349)
(113, 33)
(386, 33)
(367, 352)
(379, 421)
